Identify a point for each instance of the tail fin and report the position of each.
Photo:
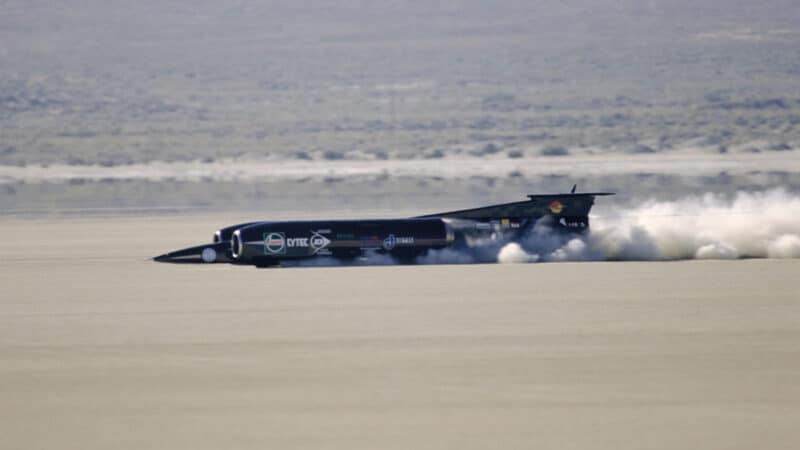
(570, 206)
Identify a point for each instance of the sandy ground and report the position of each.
(102, 349)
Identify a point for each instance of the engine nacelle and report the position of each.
(225, 234)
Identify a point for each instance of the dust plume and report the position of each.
(749, 225)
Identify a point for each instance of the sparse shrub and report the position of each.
(515, 154)
(538, 136)
(436, 154)
(376, 125)
(503, 102)
(499, 97)
(484, 123)
(488, 149)
(768, 103)
(554, 151)
(716, 97)
(718, 137)
(302, 155)
(332, 155)
(780, 147)
(613, 120)
(78, 134)
(641, 149)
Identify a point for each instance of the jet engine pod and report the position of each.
(236, 245)
(247, 246)
(257, 243)
(225, 234)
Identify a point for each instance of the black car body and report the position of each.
(273, 243)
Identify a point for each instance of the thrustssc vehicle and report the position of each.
(276, 243)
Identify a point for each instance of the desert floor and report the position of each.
(101, 348)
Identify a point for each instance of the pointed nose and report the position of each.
(175, 257)
(162, 258)
(209, 253)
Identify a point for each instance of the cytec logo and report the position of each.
(297, 242)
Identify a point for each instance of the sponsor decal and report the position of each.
(572, 223)
(318, 242)
(393, 241)
(370, 242)
(274, 243)
(297, 242)
(505, 222)
(389, 242)
(483, 226)
(556, 207)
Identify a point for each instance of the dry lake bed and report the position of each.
(102, 349)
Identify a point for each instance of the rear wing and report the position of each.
(570, 205)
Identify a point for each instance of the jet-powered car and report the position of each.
(269, 243)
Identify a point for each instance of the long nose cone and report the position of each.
(209, 253)
(162, 258)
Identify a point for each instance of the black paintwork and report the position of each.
(222, 253)
(270, 243)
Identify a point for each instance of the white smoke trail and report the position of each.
(751, 225)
